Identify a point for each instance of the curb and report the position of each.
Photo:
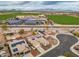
(50, 48)
(73, 50)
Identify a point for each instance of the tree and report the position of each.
(68, 54)
(1, 48)
(21, 31)
(76, 33)
(34, 33)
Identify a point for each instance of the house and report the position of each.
(35, 43)
(10, 35)
(42, 40)
(18, 47)
(3, 51)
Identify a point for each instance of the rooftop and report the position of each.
(18, 46)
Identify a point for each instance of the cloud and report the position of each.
(35, 5)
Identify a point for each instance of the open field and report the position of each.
(64, 19)
(6, 16)
(59, 19)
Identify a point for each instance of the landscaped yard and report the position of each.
(64, 19)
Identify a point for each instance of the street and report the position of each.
(66, 41)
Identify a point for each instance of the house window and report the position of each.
(14, 50)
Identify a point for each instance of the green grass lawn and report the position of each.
(64, 19)
(59, 19)
(11, 15)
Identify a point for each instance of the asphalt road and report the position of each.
(66, 41)
(42, 26)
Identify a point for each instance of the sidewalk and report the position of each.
(72, 47)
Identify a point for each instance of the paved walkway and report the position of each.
(66, 41)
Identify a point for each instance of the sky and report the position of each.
(40, 5)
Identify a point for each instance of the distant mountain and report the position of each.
(48, 10)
